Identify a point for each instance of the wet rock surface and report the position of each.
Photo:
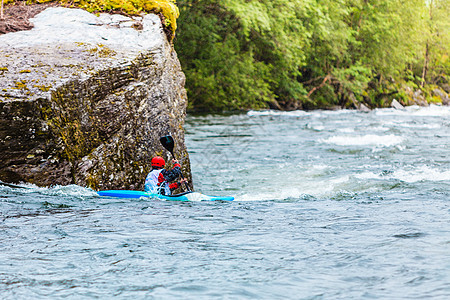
(84, 100)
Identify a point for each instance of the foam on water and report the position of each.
(380, 128)
(315, 127)
(365, 140)
(300, 187)
(301, 113)
(418, 111)
(58, 190)
(419, 126)
(295, 113)
(410, 175)
(346, 130)
(414, 110)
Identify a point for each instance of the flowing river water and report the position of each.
(329, 205)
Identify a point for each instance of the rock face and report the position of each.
(395, 104)
(84, 100)
(442, 95)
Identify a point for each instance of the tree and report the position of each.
(221, 71)
(436, 48)
(308, 53)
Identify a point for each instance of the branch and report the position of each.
(320, 85)
(311, 80)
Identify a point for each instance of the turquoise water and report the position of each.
(329, 205)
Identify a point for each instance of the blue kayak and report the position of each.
(187, 196)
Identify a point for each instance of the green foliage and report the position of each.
(354, 78)
(437, 38)
(220, 66)
(309, 53)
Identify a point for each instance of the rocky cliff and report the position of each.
(85, 98)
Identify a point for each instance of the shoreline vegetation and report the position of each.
(294, 54)
(303, 54)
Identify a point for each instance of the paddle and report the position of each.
(168, 143)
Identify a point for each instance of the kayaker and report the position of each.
(158, 180)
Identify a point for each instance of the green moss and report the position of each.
(434, 100)
(25, 71)
(78, 141)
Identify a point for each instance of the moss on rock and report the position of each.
(166, 8)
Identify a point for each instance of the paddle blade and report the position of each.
(168, 143)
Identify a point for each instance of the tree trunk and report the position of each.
(425, 65)
(427, 48)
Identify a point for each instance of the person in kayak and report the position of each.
(157, 181)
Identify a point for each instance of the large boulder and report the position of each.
(85, 98)
(395, 104)
(418, 98)
(443, 96)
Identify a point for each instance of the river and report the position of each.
(329, 205)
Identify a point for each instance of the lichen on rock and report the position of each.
(84, 100)
(166, 9)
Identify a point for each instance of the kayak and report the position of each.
(187, 196)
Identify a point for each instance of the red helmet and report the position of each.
(158, 161)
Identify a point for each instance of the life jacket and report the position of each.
(152, 183)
